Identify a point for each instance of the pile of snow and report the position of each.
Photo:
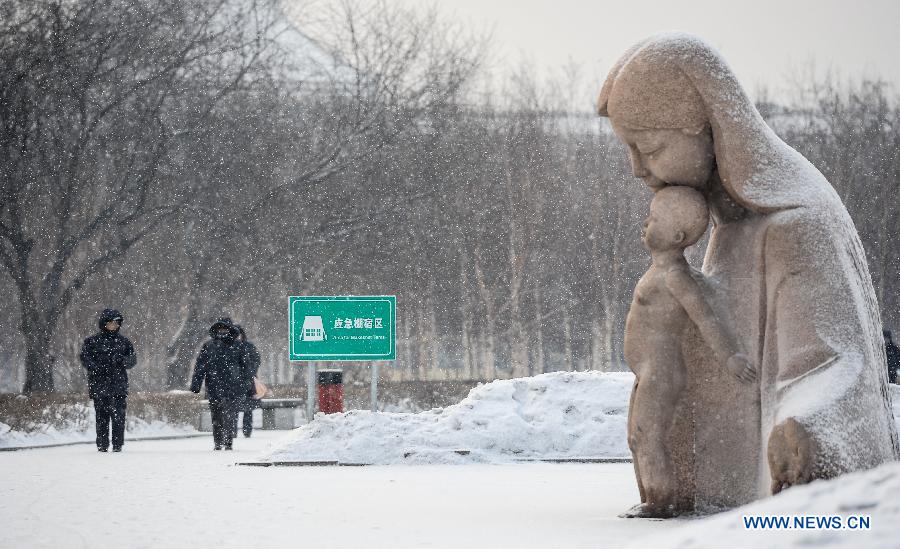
(76, 424)
(867, 493)
(556, 415)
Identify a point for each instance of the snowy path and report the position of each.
(178, 493)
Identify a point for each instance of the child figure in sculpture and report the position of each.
(667, 299)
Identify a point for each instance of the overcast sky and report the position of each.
(765, 41)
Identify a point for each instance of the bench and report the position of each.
(277, 413)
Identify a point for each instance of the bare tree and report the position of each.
(368, 76)
(93, 97)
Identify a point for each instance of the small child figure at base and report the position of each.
(666, 300)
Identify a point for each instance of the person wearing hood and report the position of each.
(224, 366)
(107, 357)
(250, 401)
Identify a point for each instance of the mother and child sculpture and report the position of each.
(767, 369)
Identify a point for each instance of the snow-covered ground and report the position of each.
(875, 494)
(556, 415)
(79, 427)
(179, 493)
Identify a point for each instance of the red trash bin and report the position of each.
(331, 391)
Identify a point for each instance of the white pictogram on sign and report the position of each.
(313, 329)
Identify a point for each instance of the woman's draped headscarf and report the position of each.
(678, 81)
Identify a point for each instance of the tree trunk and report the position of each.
(468, 365)
(538, 365)
(609, 344)
(433, 339)
(38, 364)
(408, 346)
(518, 344)
(596, 345)
(609, 326)
(520, 366)
(567, 334)
(38, 333)
(488, 355)
(487, 337)
(180, 351)
(422, 350)
(469, 359)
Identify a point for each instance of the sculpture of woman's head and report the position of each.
(669, 156)
(657, 112)
(679, 108)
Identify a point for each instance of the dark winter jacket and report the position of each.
(253, 366)
(223, 364)
(107, 356)
(254, 361)
(893, 357)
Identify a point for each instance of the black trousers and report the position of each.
(224, 414)
(249, 404)
(110, 409)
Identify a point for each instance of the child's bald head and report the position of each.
(678, 218)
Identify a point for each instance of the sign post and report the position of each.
(374, 387)
(310, 390)
(342, 329)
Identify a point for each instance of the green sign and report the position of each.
(342, 327)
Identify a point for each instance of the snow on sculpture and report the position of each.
(784, 270)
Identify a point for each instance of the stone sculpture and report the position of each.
(785, 272)
(668, 298)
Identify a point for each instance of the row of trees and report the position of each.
(188, 122)
(358, 157)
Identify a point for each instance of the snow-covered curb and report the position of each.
(555, 415)
(128, 438)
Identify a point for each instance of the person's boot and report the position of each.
(101, 449)
(117, 449)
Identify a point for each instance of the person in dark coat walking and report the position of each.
(893, 356)
(223, 365)
(250, 403)
(107, 357)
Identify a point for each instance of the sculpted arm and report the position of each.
(685, 289)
